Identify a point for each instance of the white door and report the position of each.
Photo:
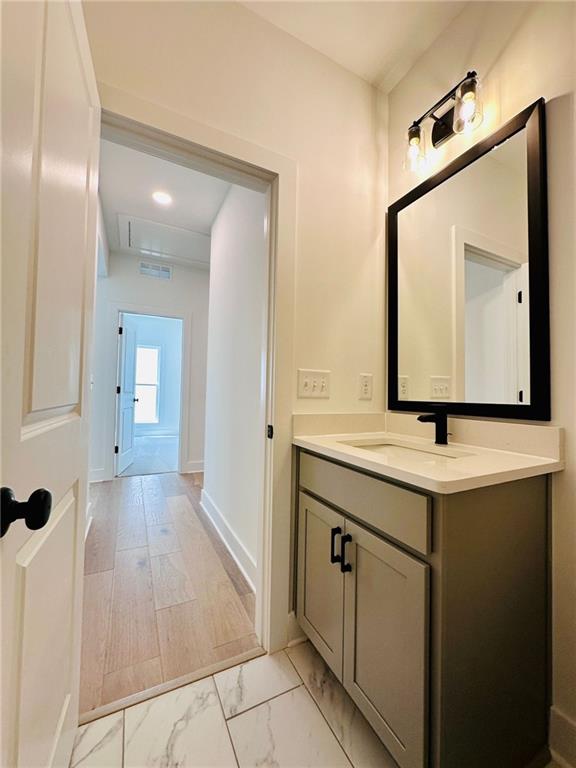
(51, 124)
(126, 397)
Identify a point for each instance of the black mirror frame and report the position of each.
(533, 120)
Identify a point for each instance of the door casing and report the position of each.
(155, 131)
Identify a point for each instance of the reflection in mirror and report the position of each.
(463, 303)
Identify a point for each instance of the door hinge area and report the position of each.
(118, 390)
(270, 431)
(120, 331)
(115, 449)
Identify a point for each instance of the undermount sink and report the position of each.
(405, 450)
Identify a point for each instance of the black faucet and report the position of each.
(440, 419)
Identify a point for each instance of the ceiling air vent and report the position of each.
(160, 271)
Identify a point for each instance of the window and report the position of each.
(146, 385)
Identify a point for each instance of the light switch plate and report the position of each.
(314, 384)
(365, 390)
(440, 387)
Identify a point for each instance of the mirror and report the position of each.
(468, 282)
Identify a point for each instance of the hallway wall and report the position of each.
(185, 296)
(236, 373)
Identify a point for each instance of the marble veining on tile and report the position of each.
(286, 732)
(181, 729)
(356, 736)
(99, 744)
(249, 684)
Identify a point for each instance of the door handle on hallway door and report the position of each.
(135, 400)
(35, 512)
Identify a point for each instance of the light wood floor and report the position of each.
(162, 595)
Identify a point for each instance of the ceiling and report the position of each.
(378, 41)
(178, 232)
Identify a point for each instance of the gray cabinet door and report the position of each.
(320, 598)
(385, 642)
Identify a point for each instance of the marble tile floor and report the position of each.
(286, 710)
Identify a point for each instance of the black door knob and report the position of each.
(35, 512)
(135, 400)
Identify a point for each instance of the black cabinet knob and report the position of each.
(35, 512)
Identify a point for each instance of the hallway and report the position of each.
(153, 454)
(163, 598)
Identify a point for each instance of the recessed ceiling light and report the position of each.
(162, 198)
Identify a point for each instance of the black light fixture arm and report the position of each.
(440, 103)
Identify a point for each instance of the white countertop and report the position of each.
(470, 467)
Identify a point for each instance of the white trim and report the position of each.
(98, 475)
(243, 558)
(562, 738)
(152, 128)
(191, 467)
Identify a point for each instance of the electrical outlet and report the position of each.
(365, 392)
(440, 387)
(403, 388)
(313, 383)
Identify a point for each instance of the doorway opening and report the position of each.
(496, 328)
(149, 391)
(174, 554)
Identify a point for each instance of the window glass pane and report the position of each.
(146, 409)
(146, 365)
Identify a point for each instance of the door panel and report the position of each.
(125, 437)
(385, 641)
(320, 582)
(50, 122)
(63, 161)
(46, 574)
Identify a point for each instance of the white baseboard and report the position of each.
(192, 466)
(243, 558)
(98, 475)
(294, 631)
(562, 738)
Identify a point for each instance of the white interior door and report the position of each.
(50, 123)
(126, 397)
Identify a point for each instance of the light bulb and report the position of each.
(162, 198)
(468, 109)
(415, 149)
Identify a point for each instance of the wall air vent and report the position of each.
(159, 271)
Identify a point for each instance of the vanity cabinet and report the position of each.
(435, 621)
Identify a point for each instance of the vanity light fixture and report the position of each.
(162, 198)
(464, 116)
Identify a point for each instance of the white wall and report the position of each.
(166, 334)
(523, 52)
(236, 373)
(185, 296)
(258, 83)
